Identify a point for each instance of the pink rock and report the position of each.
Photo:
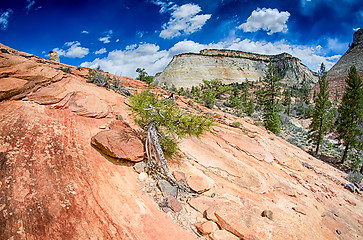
(200, 183)
(207, 227)
(119, 144)
(201, 203)
(223, 235)
(179, 176)
(174, 204)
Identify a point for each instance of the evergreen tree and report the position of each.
(321, 117)
(269, 99)
(350, 112)
(287, 100)
(143, 76)
(165, 123)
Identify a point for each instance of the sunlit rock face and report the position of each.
(339, 72)
(53, 56)
(190, 69)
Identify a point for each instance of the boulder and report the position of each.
(200, 182)
(119, 144)
(179, 176)
(207, 227)
(174, 204)
(167, 189)
(139, 167)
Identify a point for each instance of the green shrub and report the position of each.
(171, 122)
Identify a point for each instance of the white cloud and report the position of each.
(336, 46)
(154, 60)
(270, 20)
(164, 6)
(74, 50)
(4, 18)
(184, 20)
(107, 37)
(85, 32)
(101, 51)
(29, 5)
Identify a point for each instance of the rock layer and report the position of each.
(55, 184)
(339, 72)
(190, 69)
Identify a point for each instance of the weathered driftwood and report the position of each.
(153, 140)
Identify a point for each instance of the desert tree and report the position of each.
(270, 93)
(350, 113)
(321, 117)
(143, 76)
(287, 99)
(165, 123)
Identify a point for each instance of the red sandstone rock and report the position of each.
(174, 204)
(53, 183)
(207, 227)
(223, 235)
(179, 176)
(119, 144)
(200, 183)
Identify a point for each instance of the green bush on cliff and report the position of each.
(171, 122)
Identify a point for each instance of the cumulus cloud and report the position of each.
(101, 51)
(153, 59)
(85, 32)
(270, 20)
(184, 20)
(73, 50)
(107, 37)
(4, 18)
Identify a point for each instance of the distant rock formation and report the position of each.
(190, 69)
(53, 56)
(339, 72)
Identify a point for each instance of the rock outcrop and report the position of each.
(55, 184)
(53, 56)
(339, 72)
(190, 69)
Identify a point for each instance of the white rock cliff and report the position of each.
(190, 69)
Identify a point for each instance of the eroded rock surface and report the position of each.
(190, 69)
(55, 184)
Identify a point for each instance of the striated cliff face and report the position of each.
(55, 185)
(339, 72)
(190, 69)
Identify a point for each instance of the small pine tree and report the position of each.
(287, 100)
(321, 117)
(143, 76)
(165, 123)
(350, 112)
(269, 99)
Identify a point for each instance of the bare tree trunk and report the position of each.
(153, 139)
(344, 154)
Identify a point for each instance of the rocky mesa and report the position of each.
(72, 166)
(190, 69)
(339, 72)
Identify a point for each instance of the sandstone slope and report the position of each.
(190, 69)
(55, 185)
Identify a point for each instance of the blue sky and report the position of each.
(122, 35)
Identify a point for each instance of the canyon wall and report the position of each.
(339, 72)
(190, 69)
